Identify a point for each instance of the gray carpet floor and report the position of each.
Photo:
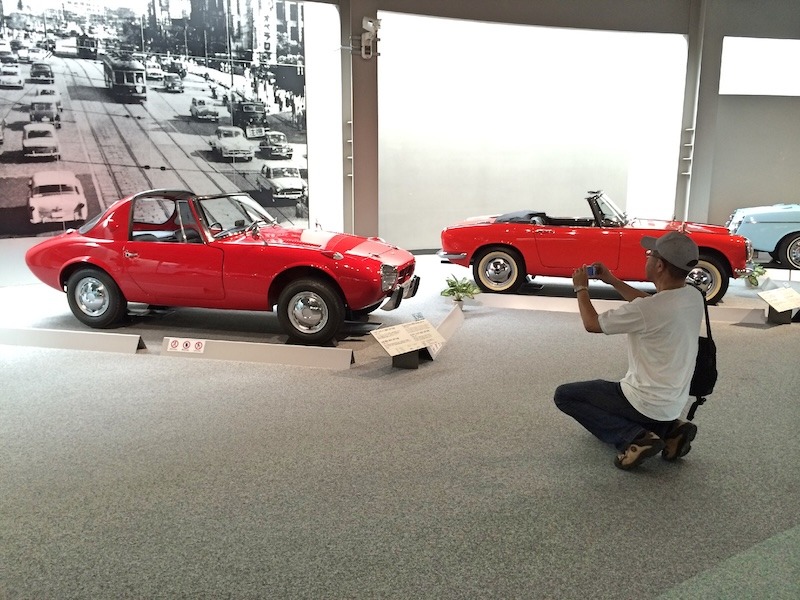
(146, 476)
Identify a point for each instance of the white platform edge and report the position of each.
(451, 322)
(73, 340)
(281, 354)
(717, 313)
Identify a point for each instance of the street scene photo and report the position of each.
(100, 102)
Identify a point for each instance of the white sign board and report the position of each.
(781, 299)
(407, 337)
(190, 345)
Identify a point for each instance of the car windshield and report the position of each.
(285, 172)
(40, 133)
(229, 133)
(54, 188)
(610, 211)
(47, 92)
(232, 212)
(276, 138)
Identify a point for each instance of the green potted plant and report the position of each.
(458, 289)
(752, 277)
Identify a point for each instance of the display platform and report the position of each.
(29, 305)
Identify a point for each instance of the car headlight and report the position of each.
(389, 277)
(733, 224)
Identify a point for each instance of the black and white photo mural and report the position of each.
(99, 100)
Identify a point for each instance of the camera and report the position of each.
(591, 271)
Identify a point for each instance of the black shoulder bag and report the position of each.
(705, 369)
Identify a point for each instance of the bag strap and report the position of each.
(700, 400)
(705, 308)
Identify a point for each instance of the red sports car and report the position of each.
(504, 250)
(173, 248)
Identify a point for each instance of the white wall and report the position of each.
(324, 116)
(478, 118)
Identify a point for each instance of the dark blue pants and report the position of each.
(601, 407)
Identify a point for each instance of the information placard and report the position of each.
(185, 345)
(407, 337)
(781, 299)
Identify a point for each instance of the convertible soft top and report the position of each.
(522, 216)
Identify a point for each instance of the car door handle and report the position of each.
(129, 254)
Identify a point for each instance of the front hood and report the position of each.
(288, 182)
(40, 143)
(326, 241)
(774, 212)
(61, 201)
(473, 221)
(235, 144)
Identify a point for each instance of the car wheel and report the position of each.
(500, 270)
(711, 276)
(789, 251)
(95, 299)
(310, 311)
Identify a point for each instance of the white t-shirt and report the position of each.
(662, 349)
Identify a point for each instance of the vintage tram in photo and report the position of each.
(87, 46)
(125, 76)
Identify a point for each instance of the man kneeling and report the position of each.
(639, 414)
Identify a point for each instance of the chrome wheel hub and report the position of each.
(701, 278)
(92, 297)
(793, 252)
(498, 270)
(308, 312)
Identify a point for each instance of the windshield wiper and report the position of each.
(255, 225)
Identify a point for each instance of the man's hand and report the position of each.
(580, 278)
(601, 273)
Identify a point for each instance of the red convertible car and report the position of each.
(173, 248)
(505, 250)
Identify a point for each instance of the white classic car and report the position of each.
(204, 108)
(230, 142)
(282, 183)
(40, 140)
(56, 196)
(10, 76)
(772, 229)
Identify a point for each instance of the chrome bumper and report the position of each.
(407, 290)
(447, 256)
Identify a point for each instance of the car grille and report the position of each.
(289, 193)
(405, 273)
(40, 151)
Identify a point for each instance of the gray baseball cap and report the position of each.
(675, 247)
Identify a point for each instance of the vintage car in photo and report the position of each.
(774, 230)
(10, 76)
(45, 109)
(37, 54)
(173, 83)
(40, 140)
(48, 93)
(504, 250)
(42, 72)
(204, 109)
(153, 71)
(230, 142)
(282, 183)
(275, 145)
(56, 196)
(172, 248)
